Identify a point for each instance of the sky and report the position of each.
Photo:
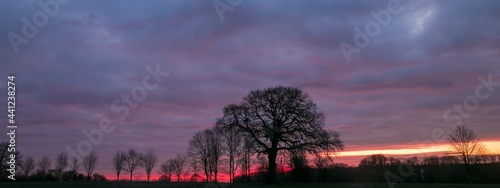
(391, 77)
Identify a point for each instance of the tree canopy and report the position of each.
(281, 118)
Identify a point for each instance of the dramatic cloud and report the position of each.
(392, 94)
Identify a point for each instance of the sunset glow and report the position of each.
(492, 146)
(183, 81)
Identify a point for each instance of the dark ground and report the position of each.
(223, 185)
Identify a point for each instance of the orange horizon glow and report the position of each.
(493, 147)
(351, 158)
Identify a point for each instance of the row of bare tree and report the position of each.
(208, 151)
(133, 160)
(211, 148)
(267, 122)
(62, 163)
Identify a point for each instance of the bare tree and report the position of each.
(178, 164)
(74, 164)
(61, 164)
(246, 157)
(89, 163)
(216, 152)
(133, 161)
(194, 169)
(199, 152)
(465, 143)
(118, 163)
(44, 164)
(322, 162)
(150, 160)
(448, 160)
(431, 160)
(205, 148)
(167, 169)
(62, 161)
(4, 155)
(28, 165)
(233, 139)
(281, 118)
(375, 160)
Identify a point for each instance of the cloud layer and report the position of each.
(393, 93)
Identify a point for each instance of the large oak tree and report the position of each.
(281, 118)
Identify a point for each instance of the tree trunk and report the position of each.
(271, 172)
(207, 176)
(131, 176)
(231, 166)
(117, 176)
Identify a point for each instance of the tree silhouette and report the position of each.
(4, 155)
(61, 164)
(300, 167)
(322, 163)
(150, 160)
(74, 164)
(167, 170)
(118, 163)
(205, 148)
(44, 164)
(431, 160)
(28, 165)
(233, 139)
(216, 152)
(133, 161)
(178, 164)
(465, 143)
(89, 163)
(245, 160)
(281, 118)
(375, 160)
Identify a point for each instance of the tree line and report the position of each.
(273, 135)
(45, 169)
(267, 122)
(247, 167)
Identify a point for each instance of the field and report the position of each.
(204, 185)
